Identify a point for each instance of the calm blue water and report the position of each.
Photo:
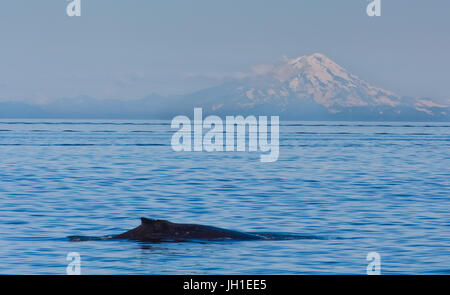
(362, 187)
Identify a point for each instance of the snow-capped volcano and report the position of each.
(316, 78)
(312, 87)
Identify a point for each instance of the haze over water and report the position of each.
(360, 187)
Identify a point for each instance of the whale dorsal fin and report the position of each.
(146, 220)
(152, 221)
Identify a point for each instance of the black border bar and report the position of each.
(252, 284)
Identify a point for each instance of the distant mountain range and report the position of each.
(305, 88)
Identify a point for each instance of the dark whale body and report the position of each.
(154, 230)
(160, 231)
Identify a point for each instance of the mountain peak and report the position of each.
(318, 66)
(316, 77)
(313, 58)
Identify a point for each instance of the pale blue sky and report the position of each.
(128, 49)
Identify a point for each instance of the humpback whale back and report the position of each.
(159, 231)
(156, 230)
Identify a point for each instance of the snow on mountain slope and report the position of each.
(303, 86)
(317, 78)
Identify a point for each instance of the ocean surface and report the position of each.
(361, 187)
